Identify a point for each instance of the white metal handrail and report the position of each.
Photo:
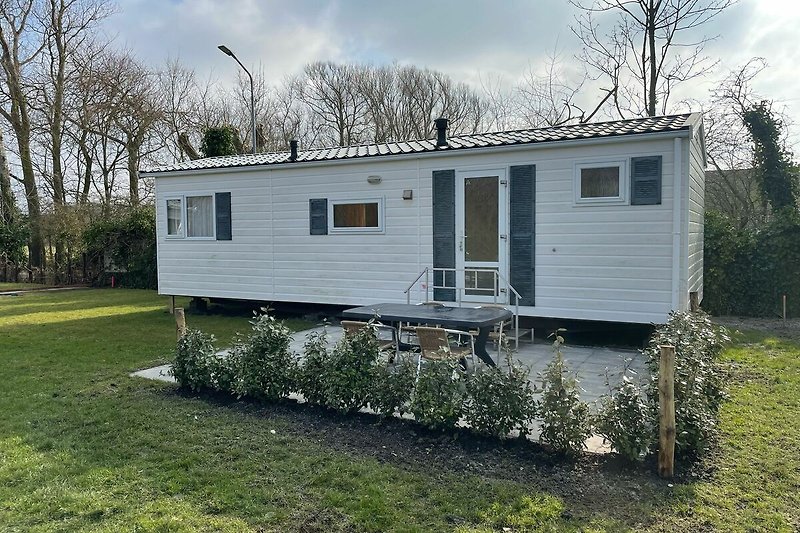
(495, 290)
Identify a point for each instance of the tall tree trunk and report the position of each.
(8, 206)
(36, 244)
(651, 38)
(133, 171)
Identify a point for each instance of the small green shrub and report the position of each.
(194, 360)
(267, 366)
(347, 373)
(225, 372)
(624, 420)
(392, 387)
(500, 400)
(439, 396)
(698, 378)
(565, 418)
(310, 382)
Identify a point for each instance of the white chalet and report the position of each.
(600, 221)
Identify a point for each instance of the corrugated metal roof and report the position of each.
(671, 123)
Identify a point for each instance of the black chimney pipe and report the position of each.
(441, 131)
(293, 149)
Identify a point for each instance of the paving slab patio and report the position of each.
(597, 368)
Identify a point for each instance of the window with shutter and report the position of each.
(646, 180)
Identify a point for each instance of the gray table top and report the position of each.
(451, 317)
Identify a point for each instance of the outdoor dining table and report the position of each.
(461, 318)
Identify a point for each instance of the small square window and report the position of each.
(599, 183)
(174, 217)
(364, 216)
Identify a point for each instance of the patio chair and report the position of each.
(388, 341)
(498, 334)
(435, 344)
(408, 333)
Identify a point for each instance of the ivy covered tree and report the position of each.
(14, 236)
(220, 140)
(776, 173)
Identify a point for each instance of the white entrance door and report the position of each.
(481, 235)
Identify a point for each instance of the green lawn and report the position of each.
(9, 286)
(85, 447)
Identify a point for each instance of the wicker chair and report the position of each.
(389, 345)
(435, 345)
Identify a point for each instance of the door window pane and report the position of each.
(199, 216)
(481, 235)
(479, 282)
(174, 217)
(600, 182)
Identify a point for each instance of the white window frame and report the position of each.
(185, 216)
(334, 202)
(621, 199)
(182, 233)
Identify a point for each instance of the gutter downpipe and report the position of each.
(677, 210)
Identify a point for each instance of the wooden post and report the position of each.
(784, 307)
(694, 301)
(666, 412)
(180, 322)
(171, 305)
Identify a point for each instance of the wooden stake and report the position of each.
(694, 301)
(180, 322)
(784, 307)
(171, 305)
(666, 412)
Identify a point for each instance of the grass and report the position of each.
(9, 286)
(85, 447)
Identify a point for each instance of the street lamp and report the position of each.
(227, 51)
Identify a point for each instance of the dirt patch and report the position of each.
(787, 329)
(589, 484)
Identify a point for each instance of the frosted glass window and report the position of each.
(199, 216)
(600, 182)
(174, 217)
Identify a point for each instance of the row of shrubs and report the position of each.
(494, 401)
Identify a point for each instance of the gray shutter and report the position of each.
(523, 231)
(646, 180)
(222, 206)
(318, 216)
(444, 233)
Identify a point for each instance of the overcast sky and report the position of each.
(467, 39)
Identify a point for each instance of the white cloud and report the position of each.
(467, 39)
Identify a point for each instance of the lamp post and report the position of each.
(227, 51)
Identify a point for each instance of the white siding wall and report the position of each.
(696, 210)
(239, 268)
(592, 262)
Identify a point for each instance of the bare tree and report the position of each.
(331, 93)
(403, 101)
(642, 56)
(132, 102)
(21, 41)
(549, 98)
